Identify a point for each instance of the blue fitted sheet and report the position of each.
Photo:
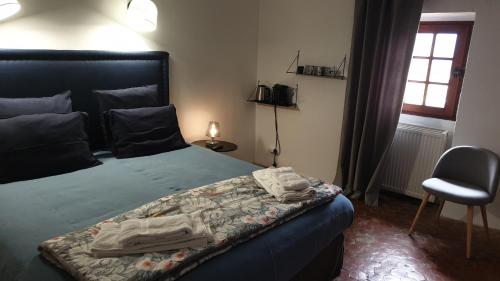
(36, 210)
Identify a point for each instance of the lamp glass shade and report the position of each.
(213, 129)
(142, 15)
(9, 8)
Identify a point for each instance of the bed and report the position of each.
(309, 247)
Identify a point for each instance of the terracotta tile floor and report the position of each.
(377, 246)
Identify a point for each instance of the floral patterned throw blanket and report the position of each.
(236, 210)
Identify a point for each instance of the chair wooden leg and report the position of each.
(422, 206)
(470, 214)
(485, 221)
(440, 209)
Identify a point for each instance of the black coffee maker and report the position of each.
(282, 95)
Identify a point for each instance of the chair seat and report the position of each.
(456, 191)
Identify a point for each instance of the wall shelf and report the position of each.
(332, 73)
(292, 107)
(317, 76)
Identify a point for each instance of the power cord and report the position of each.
(277, 143)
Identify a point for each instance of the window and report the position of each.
(437, 69)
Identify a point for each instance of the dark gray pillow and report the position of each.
(145, 96)
(145, 131)
(40, 145)
(60, 103)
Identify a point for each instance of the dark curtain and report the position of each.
(383, 36)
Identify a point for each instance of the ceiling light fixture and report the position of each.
(142, 15)
(8, 8)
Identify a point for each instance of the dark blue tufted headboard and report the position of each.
(39, 73)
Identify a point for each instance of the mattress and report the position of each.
(36, 210)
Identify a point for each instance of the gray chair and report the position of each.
(465, 175)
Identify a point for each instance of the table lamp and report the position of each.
(213, 131)
(9, 8)
(142, 15)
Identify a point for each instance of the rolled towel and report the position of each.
(292, 182)
(283, 170)
(143, 231)
(106, 243)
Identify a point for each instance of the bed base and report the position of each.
(327, 265)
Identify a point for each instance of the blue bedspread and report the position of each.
(34, 211)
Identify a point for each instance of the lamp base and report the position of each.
(213, 144)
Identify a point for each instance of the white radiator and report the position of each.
(412, 157)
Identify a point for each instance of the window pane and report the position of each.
(423, 44)
(414, 93)
(440, 71)
(445, 45)
(436, 95)
(418, 69)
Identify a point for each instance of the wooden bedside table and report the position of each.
(224, 146)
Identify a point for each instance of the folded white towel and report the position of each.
(142, 231)
(292, 181)
(107, 241)
(268, 180)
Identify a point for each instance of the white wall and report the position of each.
(321, 29)
(213, 45)
(213, 48)
(478, 112)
